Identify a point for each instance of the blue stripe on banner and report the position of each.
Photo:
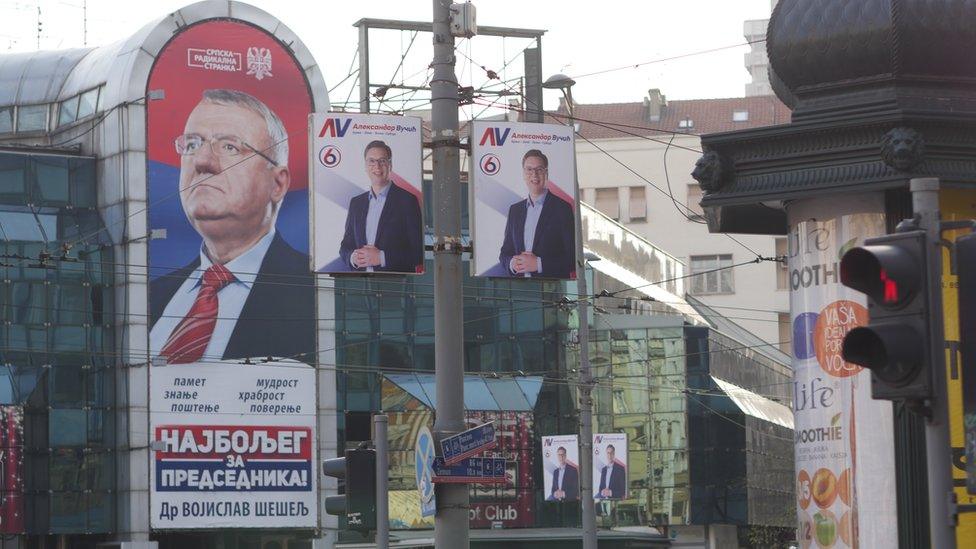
(216, 476)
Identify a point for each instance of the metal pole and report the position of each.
(451, 520)
(587, 504)
(380, 442)
(925, 205)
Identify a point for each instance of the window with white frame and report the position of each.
(638, 205)
(740, 116)
(711, 274)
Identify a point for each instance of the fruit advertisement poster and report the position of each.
(845, 481)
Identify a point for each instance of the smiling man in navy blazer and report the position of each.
(384, 230)
(540, 229)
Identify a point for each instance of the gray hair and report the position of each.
(276, 129)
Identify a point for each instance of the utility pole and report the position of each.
(925, 205)
(587, 504)
(381, 444)
(451, 520)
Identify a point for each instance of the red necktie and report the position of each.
(192, 335)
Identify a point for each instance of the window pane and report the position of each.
(68, 111)
(68, 427)
(607, 202)
(6, 119)
(31, 118)
(638, 204)
(87, 103)
(51, 181)
(23, 226)
(13, 172)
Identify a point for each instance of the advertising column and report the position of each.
(845, 481)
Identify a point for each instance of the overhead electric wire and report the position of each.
(665, 59)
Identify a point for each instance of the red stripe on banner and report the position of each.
(197, 442)
(407, 186)
(556, 190)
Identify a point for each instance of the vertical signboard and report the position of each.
(228, 202)
(957, 205)
(523, 199)
(845, 481)
(560, 467)
(11, 470)
(367, 200)
(233, 446)
(610, 466)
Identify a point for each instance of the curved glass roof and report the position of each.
(36, 77)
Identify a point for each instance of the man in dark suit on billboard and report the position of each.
(565, 479)
(248, 293)
(384, 230)
(613, 477)
(539, 232)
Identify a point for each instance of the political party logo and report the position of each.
(490, 164)
(335, 127)
(330, 156)
(234, 458)
(259, 62)
(213, 59)
(833, 323)
(494, 137)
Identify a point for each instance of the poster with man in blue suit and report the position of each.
(367, 206)
(524, 198)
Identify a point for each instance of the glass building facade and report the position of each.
(58, 366)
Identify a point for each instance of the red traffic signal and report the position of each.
(895, 345)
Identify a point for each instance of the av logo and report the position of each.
(495, 136)
(490, 164)
(335, 127)
(329, 156)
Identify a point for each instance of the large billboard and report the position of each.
(610, 466)
(560, 467)
(523, 200)
(845, 468)
(233, 446)
(11, 470)
(228, 202)
(367, 206)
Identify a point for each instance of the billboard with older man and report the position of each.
(523, 200)
(228, 200)
(233, 442)
(367, 206)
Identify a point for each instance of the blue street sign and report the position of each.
(471, 471)
(424, 454)
(469, 443)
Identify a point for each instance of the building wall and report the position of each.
(755, 286)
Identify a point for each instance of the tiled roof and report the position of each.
(707, 116)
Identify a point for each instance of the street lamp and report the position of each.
(565, 84)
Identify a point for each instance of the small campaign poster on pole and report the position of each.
(367, 201)
(610, 466)
(560, 467)
(523, 200)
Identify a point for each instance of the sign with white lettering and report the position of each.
(488, 470)
(468, 443)
(233, 445)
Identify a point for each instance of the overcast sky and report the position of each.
(581, 38)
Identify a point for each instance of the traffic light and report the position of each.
(358, 468)
(893, 271)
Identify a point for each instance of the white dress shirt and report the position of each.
(533, 210)
(230, 299)
(376, 204)
(559, 477)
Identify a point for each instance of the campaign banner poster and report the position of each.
(523, 200)
(560, 467)
(233, 446)
(227, 158)
(12, 470)
(844, 441)
(367, 201)
(610, 466)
